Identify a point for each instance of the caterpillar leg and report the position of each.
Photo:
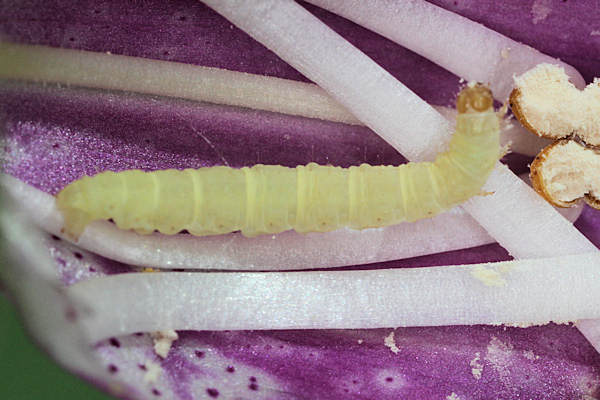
(142, 231)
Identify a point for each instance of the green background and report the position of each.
(26, 373)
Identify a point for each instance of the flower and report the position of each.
(55, 134)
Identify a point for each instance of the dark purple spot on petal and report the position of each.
(78, 255)
(252, 379)
(139, 334)
(54, 237)
(355, 381)
(71, 314)
(156, 392)
(92, 269)
(389, 379)
(55, 146)
(230, 369)
(142, 367)
(199, 354)
(214, 393)
(253, 386)
(113, 369)
(114, 342)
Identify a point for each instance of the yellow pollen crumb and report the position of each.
(163, 341)
(153, 371)
(489, 277)
(476, 366)
(390, 342)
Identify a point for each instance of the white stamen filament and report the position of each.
(520, 220)
(466, 48)
(78, 68)
(529, 292)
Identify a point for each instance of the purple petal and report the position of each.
(56, 135)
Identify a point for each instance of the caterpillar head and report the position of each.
(474, 98)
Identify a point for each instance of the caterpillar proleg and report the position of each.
(267, 199)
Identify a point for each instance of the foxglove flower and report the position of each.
(54, 134)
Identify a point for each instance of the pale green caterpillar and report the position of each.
(267, 199)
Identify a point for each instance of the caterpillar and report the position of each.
(267, 199)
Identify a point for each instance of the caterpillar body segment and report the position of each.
(267, 199)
